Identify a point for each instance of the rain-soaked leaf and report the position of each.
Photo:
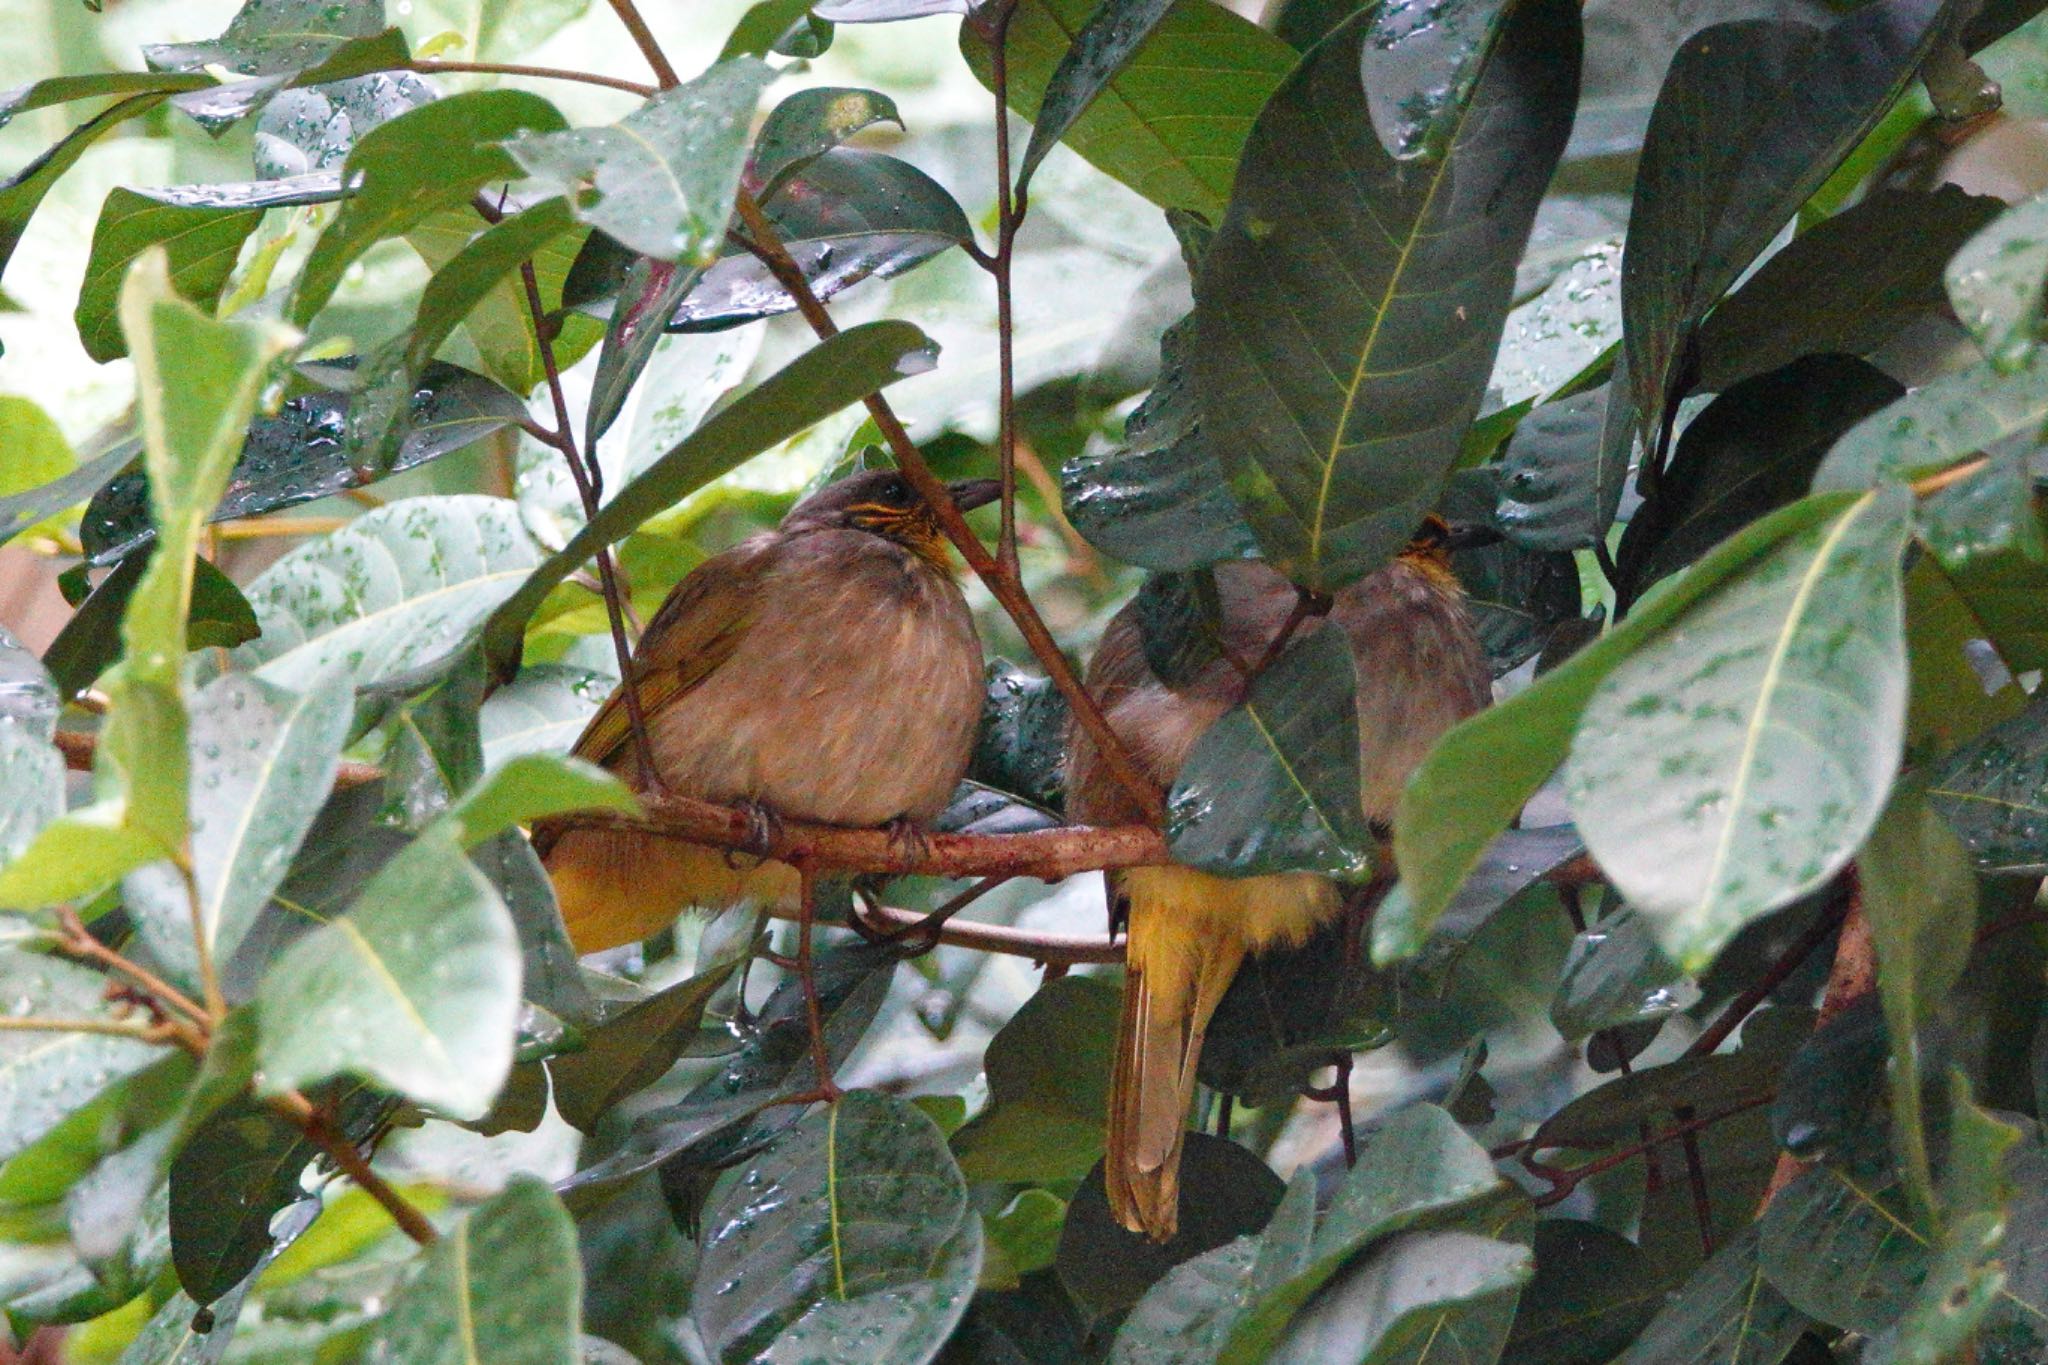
(631, 1049)
(648, 295)
(1561, 479)
(660, 181)
(203, 244)
(432, 157)
(1751, 451)
(24, 511)
(262, 761)
(1350, 305)
(415, 989)
(90, 642)
(267, 36)
(302, 132)
(1160, 500)
(818, 383)
(1022, 744)
(1101, 48)
(541, 711)
(1618, 975)
(1752, 118)
(1997, 279)
(1848, 285)
(217, 108)
(1736, 759)
(532, 787)
(1945, 419)
(1171, 122)
(1561, 340)
(809, 123)
(1986, 534)
(1994, 792)
(31, 769)
(398, 589)
(1593, 1291)
(505, 1285)
(1841, 1244)
(1048, 1075)
(22, 192)
(1517, 597)
(850, 1240)
(44, 1076)
(886, 11)
(1727, 1314)
(1273, 786)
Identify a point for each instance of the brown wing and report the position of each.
(690, 637)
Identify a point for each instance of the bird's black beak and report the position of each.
(969, 494)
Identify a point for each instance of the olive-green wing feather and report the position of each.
(689, 639)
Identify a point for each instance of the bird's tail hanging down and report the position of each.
(1174, 978)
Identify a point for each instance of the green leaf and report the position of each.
(1100, 50)
(1561, 478)
(531, 787)
(1273, 786)
(1994, 792)
(505, 1286)
(1751, 451)
(809, 123)
(31, 769)
(1752, 118)
(541, 711)
(1172, 121)
(1021, 1238)
(22, 193)
(202, 244)
(1160, 500)
(1480, 774)
(55, 90)
(44, 1076)
(415, 989)
(38, 455)
(1616, 976)
(275, 35)
(1445, 1297)
(1876, 1254)
(396, 591)
(218, 108)
(1920, 897)
(660, 181)
(1996, 281)
(784, 27)
(470, 276)
(24, 511)
(232, 1177)
(1986, 534)
(1945, 419)
(818, 383)
(1847, 285)
(1592, 1293)
(1517, 598)
(649, 294)
(1563, 340)
(1349, 308)
(433, 157)
(1737, 758)
(262, 761)
(883, 1275)
(303, 132)
(1727, 1314)
(1048, 1077)
(632, 1049)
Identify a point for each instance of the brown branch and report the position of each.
(766, 245)
(1009, 216)
(1824, 924)
(643, 38)
(428, 67)
(1564, 1180)
(299, 1111)
(1058, 950)
(78, 749)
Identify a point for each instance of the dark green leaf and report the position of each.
(1561, 479)
(1171, 122)
(1736, 760)
(1592, 1293)
(1753, 117)
(1986, 533)
(660, 181)
(1273, 786)
(1337, 395)
(433, 157)
(1942, 421)
(433, 752)
(1160, 500)
(1022, 744)
(1517, 597)
(1997, 278)
(1995, 793)
(1751, 451)
(416, 988)
(219, 107)
(630, 1050)
(1617, 975)
(784, 27)
(850, 1240)
(542, 710)
(239, 1168)
(203, 244)
(823, 380)
(1443, 1296)
(1180, 623)
(1841, 1244)
(1727, 1314)
(22, 193)
(1825, 1095)
(808, 124)
(648, 295)
(55, 90)
(1048, 1077)
(1848, 285)
(91, 640)
(505, 1286)
(22, 511)
(268, 36)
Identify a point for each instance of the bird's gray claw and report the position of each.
(764, 830)
(909, 840)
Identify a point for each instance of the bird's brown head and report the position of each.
(883, 502)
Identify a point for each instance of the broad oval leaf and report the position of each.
(1048, 1075)
(1349, 307)
(505, 1285)
(274, 35)
(541, 711)
(809, 123)
(1942, 421)
(305, 131)
(396, 590)
(1994, 792)
(850, 1240)
(416, 989)
(1727, 1314)
(31, 769)
(1101, 49)
(1986, 534)
(202, 244)
(1739, 756)
(1997, 281)
(44, 1076)
(532, 787)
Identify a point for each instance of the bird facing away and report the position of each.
(1420, 671)
(827, 671)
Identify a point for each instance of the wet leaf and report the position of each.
(1171, 121)
(1986, 534)
(809, 123)
(1022, 744)
(1273, 786)
(1841, 1244)
(1048, 1076)
(1561, 479)
(1593, 1291)
(24, 511)
(886, 11)
(202, 243)
(31, 770)
(1997, 278)
(1517, 597)
(504, 1285)
(1562, 340)
(1752, 118)
(262, 761)
(532, 787)
(1994, 792)
(45, 1076)
(1727, 1314)
(1100, 50)
(470, 276)
(815, 385)
(1847, 285)
(219, 107)
(660, 181)
(21, 194)
(631, 1049)
(267, 36)
(850, 1240)
(1337, 395)
(433, 157)
(1617, 975)
(395, 591)
(1949, 417)
(1738, 757)
(303, 132)
(541, 711)
(784, 27)
(416, 989)
(1751, 451)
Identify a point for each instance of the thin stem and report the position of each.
(1696, 1176)
(1007, 588)
(78, 749)
(643, 38)
(807, 977)
(435, 66)
(1824, 924)
(73, 938)
(202, 945)
(1563, 1182)
(1009, 216)
(117, 1028)
(1306, 604)
(589, 479)
(300, 1111)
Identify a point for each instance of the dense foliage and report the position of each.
(372, 376)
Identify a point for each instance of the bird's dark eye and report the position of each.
(896, 490)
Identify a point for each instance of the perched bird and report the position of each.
(826, 671)
(1420, 671)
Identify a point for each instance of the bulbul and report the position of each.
(1420, 671)
(826, 671)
